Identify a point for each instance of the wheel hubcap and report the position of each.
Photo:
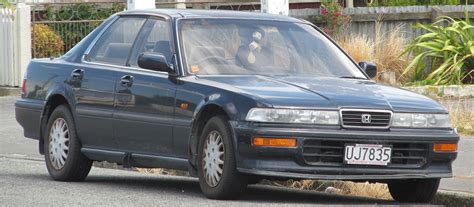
(58, 143)
(213, 160)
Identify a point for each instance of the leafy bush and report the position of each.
(331, 12)
(73, 29)
(450, 49)
(46, 43)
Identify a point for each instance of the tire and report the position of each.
(231, 183)
(72, 165)
(414, 190)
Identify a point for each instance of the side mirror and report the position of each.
(154, 61)
(369, 68)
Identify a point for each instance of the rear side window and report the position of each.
(114, 46)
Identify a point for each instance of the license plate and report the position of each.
(367, 154)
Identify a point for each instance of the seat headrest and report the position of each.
(117, 50)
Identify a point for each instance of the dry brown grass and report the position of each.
(375, 190)
(384, 50)
(162, 171)
(462, 117)
(359, 47)
(388, 48)
(372, 190)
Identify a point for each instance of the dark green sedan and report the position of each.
(231, 97)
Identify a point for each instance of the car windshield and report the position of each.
(258, 47)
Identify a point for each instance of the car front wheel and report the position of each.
(414, 190)
(218, 176)
(63, 156)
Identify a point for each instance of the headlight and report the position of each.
(421, 120)
(293, 116)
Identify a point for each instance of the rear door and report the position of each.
(96, 79)
(144, 109)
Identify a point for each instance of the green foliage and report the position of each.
(78, 20)
(412, 2)
(5, 4)
(82, 11)
(331, 12)
(450, 49)
(46, 43)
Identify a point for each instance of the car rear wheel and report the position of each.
(63, 156)
(414, 190)
(218, 176)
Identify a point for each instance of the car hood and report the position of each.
(330, 93)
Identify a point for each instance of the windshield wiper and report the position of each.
(353, 77)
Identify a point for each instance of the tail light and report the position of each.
(23, 87)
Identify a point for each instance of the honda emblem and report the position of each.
(366, 118)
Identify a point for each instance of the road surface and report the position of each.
(24, 181)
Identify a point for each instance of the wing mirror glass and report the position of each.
(154, 61)
(369, 68)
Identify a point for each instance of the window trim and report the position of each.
(84, 58)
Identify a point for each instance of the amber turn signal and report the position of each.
(445, 147)
(274, 142)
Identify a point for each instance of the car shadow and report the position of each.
(189, 187)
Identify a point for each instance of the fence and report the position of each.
(6, 50)
(14, 48)
(364, 19)
(65, 24)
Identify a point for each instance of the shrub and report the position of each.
(331, 14)
(449, 49)
(73, 32)
(46, 43)
(385, 50)
(358, 46)
(388, 49)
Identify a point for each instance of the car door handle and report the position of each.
(126, 81)
(77, 74)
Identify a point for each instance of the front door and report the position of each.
(144, 101)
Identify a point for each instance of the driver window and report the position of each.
(156, 39)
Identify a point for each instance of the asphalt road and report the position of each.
(24, 181)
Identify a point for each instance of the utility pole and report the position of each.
(180, 4)
(140, 4)
(281, 7)
(349, 3)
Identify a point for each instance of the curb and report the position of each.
(10, 91)
(453, 198)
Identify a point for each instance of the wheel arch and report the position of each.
(58, 95)
(204, 113)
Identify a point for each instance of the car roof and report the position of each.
(193, 13)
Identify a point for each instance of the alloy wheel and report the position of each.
(58, 143)
(213, 160)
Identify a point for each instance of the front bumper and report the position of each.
(413, 155)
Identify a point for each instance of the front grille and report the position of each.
(331, 153)
(362, 119)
